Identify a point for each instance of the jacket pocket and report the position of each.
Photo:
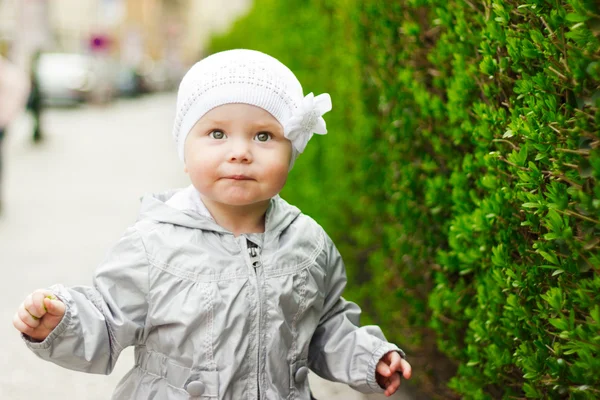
(196, 384)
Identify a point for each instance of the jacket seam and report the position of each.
(253, 345)
(209, 335)
(301, 308)
(176, 271)
(305, 264)
(147, 295)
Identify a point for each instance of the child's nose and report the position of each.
(240, 151)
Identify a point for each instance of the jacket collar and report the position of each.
(184, 207)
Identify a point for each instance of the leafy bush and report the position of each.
(458, 179)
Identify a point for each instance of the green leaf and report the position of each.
(508, 134)
(595, 313)
(559, 323)
(549, 257)
(576, 17)
(552, 236)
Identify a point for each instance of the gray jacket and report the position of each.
(213, 316)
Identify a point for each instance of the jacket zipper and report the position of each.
(254, 253)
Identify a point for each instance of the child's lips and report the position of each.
(239, 177)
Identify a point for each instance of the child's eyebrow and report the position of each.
(259, 125)
(212, 121)
(266, 125)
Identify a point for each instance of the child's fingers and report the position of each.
(383, 369)
(39, 314)
(406, 369)
(54, 306)
(397, 363)
(22, 326)
(394, 360)
(27, 318)
(392, 384)
(34, 303)
(56, 311)
(33, 307)
(39, 334)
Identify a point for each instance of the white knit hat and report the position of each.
(255, 78)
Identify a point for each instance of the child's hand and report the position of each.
(39, 314)
(388, 372)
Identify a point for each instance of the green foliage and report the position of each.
(459, 179)
(519, 279)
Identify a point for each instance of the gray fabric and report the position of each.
(198, 307)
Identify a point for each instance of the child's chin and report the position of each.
(240, 201)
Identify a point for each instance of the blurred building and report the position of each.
(24, 27)
(136, 32)
(167, 29)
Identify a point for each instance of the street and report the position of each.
(66, 201)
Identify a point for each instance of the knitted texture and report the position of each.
(249, 77)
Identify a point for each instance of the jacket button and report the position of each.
(195, 388)
(301, 374)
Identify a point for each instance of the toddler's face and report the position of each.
(236, 155)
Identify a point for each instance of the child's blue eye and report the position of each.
(217, 134)
(263, 136)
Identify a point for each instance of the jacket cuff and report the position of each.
(58, 330)
(382, 350)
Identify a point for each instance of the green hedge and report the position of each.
(458, 179)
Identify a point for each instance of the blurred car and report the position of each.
(155, 75)
(147, 77)
(70, 79)
(129, 82)
(103, 87)
(161, 75)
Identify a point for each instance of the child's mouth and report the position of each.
(239, 177)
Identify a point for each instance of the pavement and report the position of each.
(66, 201)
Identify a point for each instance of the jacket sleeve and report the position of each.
(100, 321)
(341, 350)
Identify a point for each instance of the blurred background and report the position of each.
(99, 50)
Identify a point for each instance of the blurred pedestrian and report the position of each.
(14, 89)
(35, 101)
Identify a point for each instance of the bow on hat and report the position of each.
(308, 119)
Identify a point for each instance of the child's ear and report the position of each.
(185, 169)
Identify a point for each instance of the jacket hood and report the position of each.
(183, 207)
